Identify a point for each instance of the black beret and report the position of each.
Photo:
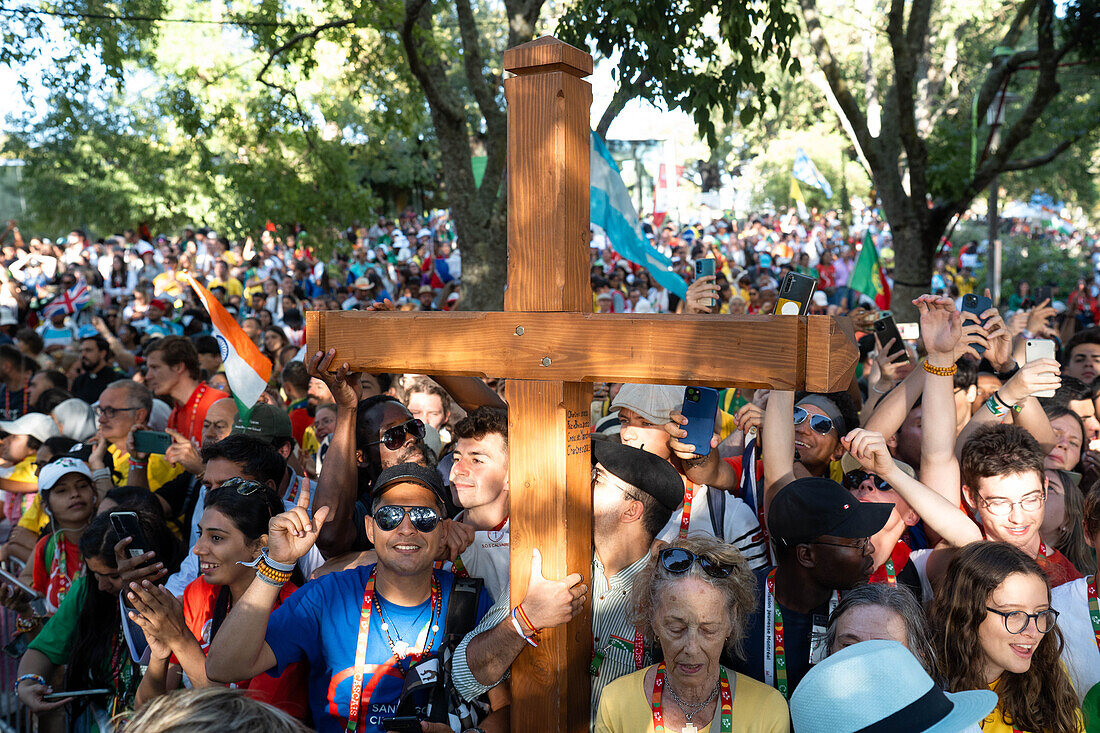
(648, 472)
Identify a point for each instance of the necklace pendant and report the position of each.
(401, 648)
(690, 728)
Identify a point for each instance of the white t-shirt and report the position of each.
(487, 558)
(1081, 655)
(919, 560)
(740, 527)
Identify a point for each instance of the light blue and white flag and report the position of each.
(613, 212)
(807, 172)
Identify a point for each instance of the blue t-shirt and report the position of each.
(320, 623)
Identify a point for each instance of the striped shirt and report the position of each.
(611, 616)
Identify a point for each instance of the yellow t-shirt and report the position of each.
(995, 721)
(34, 519)
(310, 444)
(159, 471)
(625, 706)
(233, 286)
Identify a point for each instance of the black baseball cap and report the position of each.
(810, 507)
(648, 472)
(410, 473)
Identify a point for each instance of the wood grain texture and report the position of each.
(547, 54)
(551, 508)
(747, 351)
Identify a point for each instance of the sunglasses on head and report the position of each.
(854, 479)
(678, 561)
(818, 423)
(389, 517)
(243, 486)
(394, 438)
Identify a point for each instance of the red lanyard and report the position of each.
(685, 519)
(887, 573)
(364, 634)
(622, 644)
(725, 701)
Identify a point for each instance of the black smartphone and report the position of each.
(700, 407)
(126, 525)
(1045, 292)
(402, 724)
(705, 268)
(151, 441)
(794, 295)
(55, 696)
(886, 329)
(977, 304)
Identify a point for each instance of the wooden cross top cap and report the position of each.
(547, 54)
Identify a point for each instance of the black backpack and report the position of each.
(429, 691)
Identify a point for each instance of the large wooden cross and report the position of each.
(550, 347)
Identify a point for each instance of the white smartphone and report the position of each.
(1039, 349)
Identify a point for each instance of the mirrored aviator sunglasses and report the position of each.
(818, 423)
(854, 479)
(394, 437)
(678, 561)
(424, 519)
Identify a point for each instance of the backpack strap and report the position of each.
(221, 610)
(716, 500)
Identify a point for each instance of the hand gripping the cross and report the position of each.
(290, 535)
(550, 603)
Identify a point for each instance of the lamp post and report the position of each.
(995, 117)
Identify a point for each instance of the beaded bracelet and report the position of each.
(270, 575)
(940, 371)
(36, 677)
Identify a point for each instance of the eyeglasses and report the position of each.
(389, 517)
(860, 545)
(110, 412)
(677, 560)
(1016, 621)
(1003, 507)
(854, 479)
(394, 438)
(819, 423)
(243, 486)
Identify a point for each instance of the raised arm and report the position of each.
(778, 443)
(940, 515)
(337, 486)
(941, 329)
(239, 651)
(891, 409)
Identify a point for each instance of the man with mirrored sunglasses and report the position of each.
(362, 630)
(634, 492)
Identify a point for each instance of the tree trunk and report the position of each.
(914, 256)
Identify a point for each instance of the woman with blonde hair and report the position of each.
(209, 710)
(678, 600)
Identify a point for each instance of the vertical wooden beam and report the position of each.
(549, 461)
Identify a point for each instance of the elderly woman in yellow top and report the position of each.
(692, 599)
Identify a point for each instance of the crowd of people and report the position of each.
(913, 553)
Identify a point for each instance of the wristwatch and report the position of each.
(1008, 373)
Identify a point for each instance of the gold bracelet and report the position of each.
(940, 371)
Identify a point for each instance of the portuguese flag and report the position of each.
(246, 369)
(868, 277)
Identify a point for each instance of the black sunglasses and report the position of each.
(818, 423)
(389, 517)
(855, 478)
(243, 486)
(394, 438)
(677, 560)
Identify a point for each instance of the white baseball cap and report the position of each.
(52, 472)
(35, 424)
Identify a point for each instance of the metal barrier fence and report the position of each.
(14, 716)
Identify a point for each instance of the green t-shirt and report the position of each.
(57, 636)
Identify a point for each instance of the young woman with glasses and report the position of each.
(675, 599)
(233, 531)
(995, 628)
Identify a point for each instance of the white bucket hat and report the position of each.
(880, 687)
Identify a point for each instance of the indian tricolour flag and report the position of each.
(247, 370)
